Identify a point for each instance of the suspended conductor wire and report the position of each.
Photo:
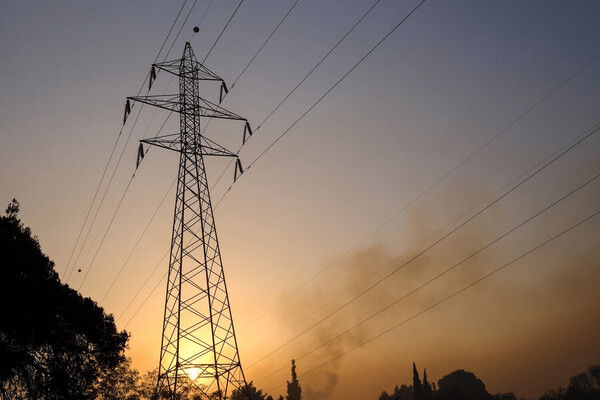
(399, 268)
(441, 274)
(105, 233)
(112, 153)
(128, 138)
(104, 195)
(263, 45)
(120, 201)
(223, 30)
(328, 91)
(171, 30)
(252, 60)
(193, 5)
(203, 15)
(449, 296)
(138, 242)
(145, 300)
(298, 85)
(327, 55)
(181, 28)
(91, 205)
(238, 78)
(414, 248)
(435, 184)
(146, 152)
(536, 168)
(140, 289)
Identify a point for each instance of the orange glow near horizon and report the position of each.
(192, 373)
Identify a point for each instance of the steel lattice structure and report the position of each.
(199, 347)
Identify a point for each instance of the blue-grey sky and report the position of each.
(446, 82)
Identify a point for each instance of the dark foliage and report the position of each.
(418, 388)
(583, 386)
(462, 385)
(54, 343)
(294, 392)
(505, 396)
(427, 389)
(400, 393)
(250, 392)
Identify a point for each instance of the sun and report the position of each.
(193, 373)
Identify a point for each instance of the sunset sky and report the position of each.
(461, 103)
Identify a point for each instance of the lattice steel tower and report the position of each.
(199, 347)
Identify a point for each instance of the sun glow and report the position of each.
(193, 373)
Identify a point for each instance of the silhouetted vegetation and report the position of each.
(464, 385)
(583, 386)
(250, 392)
(54, 343)
(294, 392)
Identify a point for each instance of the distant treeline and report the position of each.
(464, 385)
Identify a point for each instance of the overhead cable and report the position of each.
(454, 294)
(399, 268)
(443, 273)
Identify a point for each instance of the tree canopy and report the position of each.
(54, 343)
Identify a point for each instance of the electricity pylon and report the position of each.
(199, 347)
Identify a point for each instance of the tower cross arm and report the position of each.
(172, 102)
(210, 109)
(165, 101)
(197, 72)
(176, 143)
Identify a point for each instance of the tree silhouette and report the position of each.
(505, 396)
(249, 392)
(418, 388)
(119, 383)
(427, 390)
(54, 343)
(594, 372)
(581, 387)
(462, 385)
(294, 392)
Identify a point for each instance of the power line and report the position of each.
(104, 194)
(431, 187)
(138, 242)
(91, 205)
(327, 92)
(181, 28)
(414, 248)
(299, 83)
(264, 43)
(112, 153)
(323, 59)
(451, 295)
(105, 234)
(140, 289)
(120, 271)
(368, 289)
(146, 299)
(536, 168)
(238, 77)
(128, 138)
(170, 30)
(447, 270)
(223, 30)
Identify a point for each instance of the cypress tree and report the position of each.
(427, 391)
(294, 392)
(419, 394)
